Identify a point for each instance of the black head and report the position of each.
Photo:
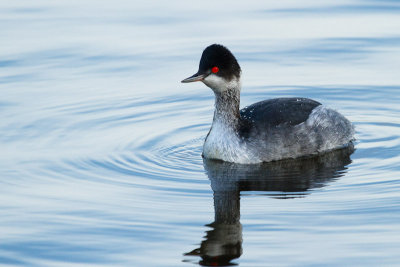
(218, 60)
(219, 56)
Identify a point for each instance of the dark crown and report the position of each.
(219, 56)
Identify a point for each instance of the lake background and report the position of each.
(100, 143)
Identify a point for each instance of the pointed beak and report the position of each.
(195, 78)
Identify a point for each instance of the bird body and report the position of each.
(269, 130)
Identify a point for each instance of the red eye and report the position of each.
(215, 69)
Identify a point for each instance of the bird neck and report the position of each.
(227, 108)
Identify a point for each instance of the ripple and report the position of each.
(101, 145)
(126, 150)
(118, 143)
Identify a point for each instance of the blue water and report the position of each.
(100, 144)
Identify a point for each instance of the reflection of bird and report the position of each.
(294, 176)
(290, 178)
(223, 243)
(269, 130)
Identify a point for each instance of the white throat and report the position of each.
(223, 141)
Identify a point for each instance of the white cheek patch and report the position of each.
(219, 84)
(215, 82)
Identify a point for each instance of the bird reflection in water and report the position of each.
(281, 179)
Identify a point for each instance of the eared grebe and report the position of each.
(268, 130)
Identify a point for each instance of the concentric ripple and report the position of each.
(146, 143)
(121, 156)
(158, 141)
(100, 144)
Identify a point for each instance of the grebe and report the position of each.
(269, 130)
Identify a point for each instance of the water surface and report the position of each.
(100, 161)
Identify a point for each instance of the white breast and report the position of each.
(224, 144)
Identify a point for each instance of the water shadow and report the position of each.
(281, 179)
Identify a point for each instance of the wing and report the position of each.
(278, 111)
